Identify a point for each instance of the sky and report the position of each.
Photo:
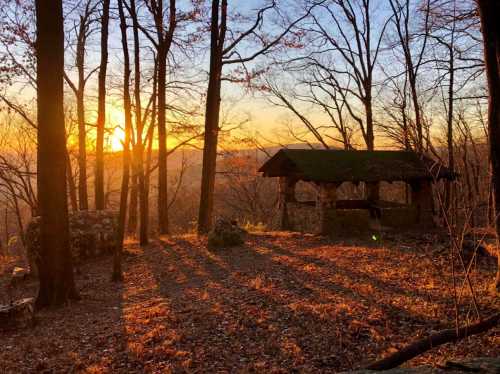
(238, 104)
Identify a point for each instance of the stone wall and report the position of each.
(348, 221)
(399, 217)
(303, 217)
(92, 233)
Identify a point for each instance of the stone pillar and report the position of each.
(372, 191)
(286, 195)
(327, 198)
(422, 199)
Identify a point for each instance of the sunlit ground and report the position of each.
(283, 302)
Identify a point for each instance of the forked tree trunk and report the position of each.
(101, 109)
(488, 12)
(54, 264)
(165, 37)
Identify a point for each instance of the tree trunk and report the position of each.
(162, 146)
(132, 213)
(55, 264)
(117, 262)
(143, 200)
(71, 185)
(80, 109)
(212, 119)
(449, 138)
(488, 11)
(138, 179)
(101, 109)
(372, 189)
(150, 137)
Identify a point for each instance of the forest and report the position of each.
(249, 186)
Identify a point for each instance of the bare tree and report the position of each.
(54, 261)
(414, 48)
(224, 52)
(101, 109)
(83, 32)
(162, 41)
(488, 11)
(117, 268)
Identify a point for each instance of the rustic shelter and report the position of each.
(328, 169)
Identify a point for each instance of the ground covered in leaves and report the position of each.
(281, 303)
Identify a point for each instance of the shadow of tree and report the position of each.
(259, 307)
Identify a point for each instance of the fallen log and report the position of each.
(433, 340)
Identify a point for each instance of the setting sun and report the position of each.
(116, 139)
(116, 122)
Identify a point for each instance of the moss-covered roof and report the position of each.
(353, 166)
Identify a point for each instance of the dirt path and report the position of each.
(281, 303)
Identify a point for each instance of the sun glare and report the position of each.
(117, 139)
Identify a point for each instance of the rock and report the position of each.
(226, 233)
(20, 313)
(92, 233)
(18, 275)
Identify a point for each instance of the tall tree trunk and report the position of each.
(82, 156)
(165, 37)
(149, 140)
(55, 266)
(80, 109)
(212, 118)
(449, 190)
(416, 108)
(143, 202)
(488, 11)
(71, 185)
(117, 263)
(133, 204)
(139, 146)
(372, 189)
(101, 109)
(162, 143)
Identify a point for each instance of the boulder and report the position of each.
(18, 275)
(92, 233)
(226, 233)
(20, 313)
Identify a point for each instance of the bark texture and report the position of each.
(488, 11)
(101, 109)
(55, 265)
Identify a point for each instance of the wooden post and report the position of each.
(286, 194)
(327, 198)
(422, 199)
